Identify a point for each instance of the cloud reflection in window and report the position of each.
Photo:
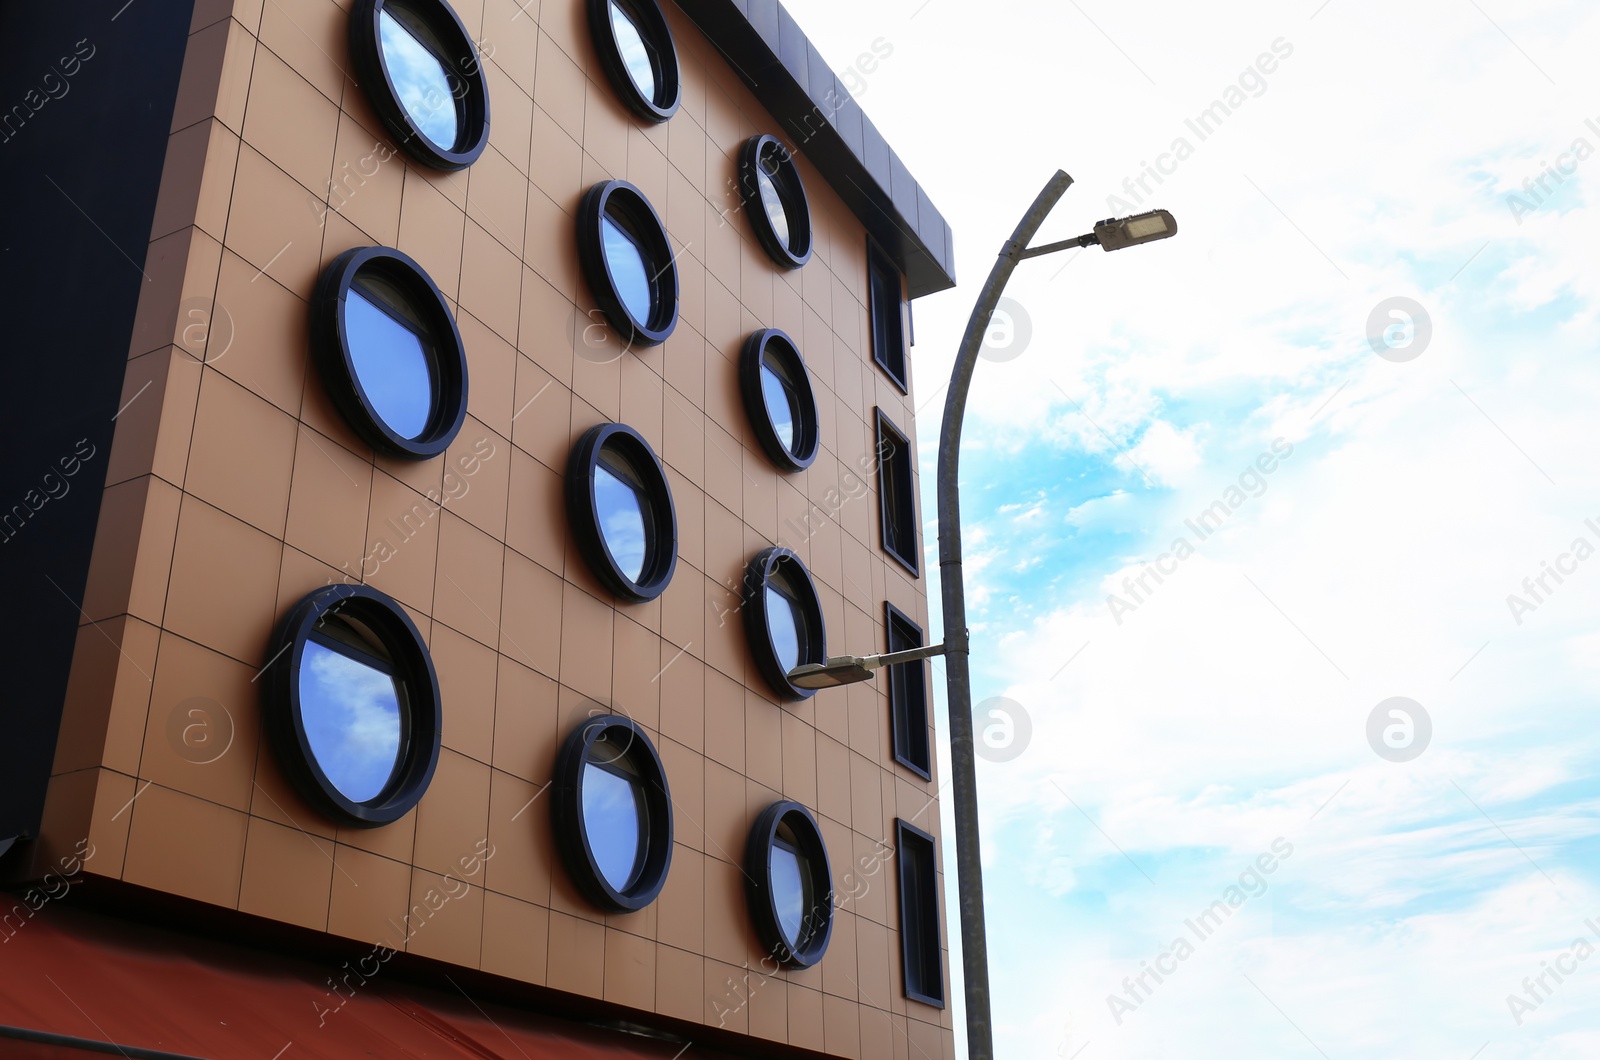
(351, 713)
(421, 82)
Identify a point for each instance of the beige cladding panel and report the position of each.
(236, 488)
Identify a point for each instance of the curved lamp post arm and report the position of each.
(958, 682)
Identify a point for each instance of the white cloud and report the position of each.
(1101, 513)
(1165, 453)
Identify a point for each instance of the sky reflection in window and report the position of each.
(635, 55)
(628, 270)
(783, 625)
(621, 510)
(780, 405)
(351, 713)
(392, 365)
(772, 202)
(421, 82)
(613, 817)
(788, 890)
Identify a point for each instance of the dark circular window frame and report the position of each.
(760, 571)
(445, 26)
(758, 884)
(786, 175)
(806, 430)
(661, 517)
(652, 26)
(330, 349)
(412, 666)
(627, 204)
(572, 836)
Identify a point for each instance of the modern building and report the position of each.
(434, 432)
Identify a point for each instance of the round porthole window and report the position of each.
(628, 262)
(782, 619)
(389, 354)
(789, 885)
(351, 705)
(637, 54)
(773, 196)
(422, 76)
(613, 814)
(620, 508)
(777, 397)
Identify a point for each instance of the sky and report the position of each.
(1369, 355)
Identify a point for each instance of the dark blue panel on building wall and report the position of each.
(794, 51)
(89, 88)
(902, 189)
(874, 152)
(930, 225)
(848, 120)
(763, 16)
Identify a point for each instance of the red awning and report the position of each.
(96, 978)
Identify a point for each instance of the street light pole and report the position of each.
(958, 680)
(1111, 234)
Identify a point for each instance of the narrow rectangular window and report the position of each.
(908, 696)
(919, 915)
(897, 494)
(888, 323)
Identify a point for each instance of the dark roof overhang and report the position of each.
(763, 44)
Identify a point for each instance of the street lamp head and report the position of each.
(843, 670)
(848, 669)
(1117, 233)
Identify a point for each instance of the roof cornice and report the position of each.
(781, 66)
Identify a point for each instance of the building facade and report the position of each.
(438, 429)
